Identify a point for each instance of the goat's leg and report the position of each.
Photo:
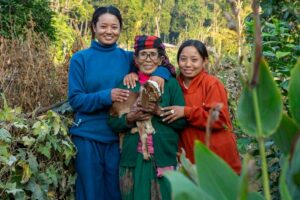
(149, 129)
(143, 138)
(146, 154)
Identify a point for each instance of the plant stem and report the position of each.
(261, 143)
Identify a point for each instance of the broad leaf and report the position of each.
(26, 172)
(294, 172)
(56, 121)
(184, 188)
(215, 176)
(52, 175)
(5, 136)
(32, 161)
(280, 54)
(188, 168)
(20, 124)
(28, 141)
(294, 92)
(284, 192)
(244, 179)
(18, 194)
(244, 194)
(4, 150)
(45, 150)
(269, 103)
(12, 159)
(285, 134)
(37, 190)
(254, 196)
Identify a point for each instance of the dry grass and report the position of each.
(28, 77)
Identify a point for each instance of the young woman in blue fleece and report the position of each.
(94, 75)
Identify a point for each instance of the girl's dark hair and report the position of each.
(103, 10)
(195, 43)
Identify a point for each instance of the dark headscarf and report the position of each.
(148, 42)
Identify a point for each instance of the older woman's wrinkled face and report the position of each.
(148, 60)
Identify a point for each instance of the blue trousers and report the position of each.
(97, 167)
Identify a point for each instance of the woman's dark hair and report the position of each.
(103, 10)
(195, 43)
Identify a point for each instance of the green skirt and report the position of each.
(141, 182)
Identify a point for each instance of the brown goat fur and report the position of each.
(148, 93)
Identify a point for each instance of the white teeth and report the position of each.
(108, 37)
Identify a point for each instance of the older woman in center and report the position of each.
(142, 178)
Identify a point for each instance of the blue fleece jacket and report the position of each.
(93, 73)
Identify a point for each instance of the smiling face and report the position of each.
(148, 60)
(107, 29)
(190, 63)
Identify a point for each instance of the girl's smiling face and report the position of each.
(107, 29)
(190, 62)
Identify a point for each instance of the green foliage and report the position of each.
(293, 173)
(280, 38)
(70, 20)
(183, 188)
(208, 165)
(215, 179)
(35, 156)
(285, 134)
(294, 93)
(18, 15)
(269, 105)
(65, 37)
(283, 186)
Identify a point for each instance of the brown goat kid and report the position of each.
(149, 92)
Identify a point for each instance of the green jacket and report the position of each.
(166, 136)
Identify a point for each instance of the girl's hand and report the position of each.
(172, 113)
(130, 80)
(119, 95)
(160, 81)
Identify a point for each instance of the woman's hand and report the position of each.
(160, 81)
(172, 113)
(152, 108)
(130, 80)
(119, 95)
(136, 114)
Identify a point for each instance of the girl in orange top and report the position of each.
(202, 92)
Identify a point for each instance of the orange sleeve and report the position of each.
(197, 115)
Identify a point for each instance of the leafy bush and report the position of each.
(35, 156)
(19, 15)
(281, 37)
